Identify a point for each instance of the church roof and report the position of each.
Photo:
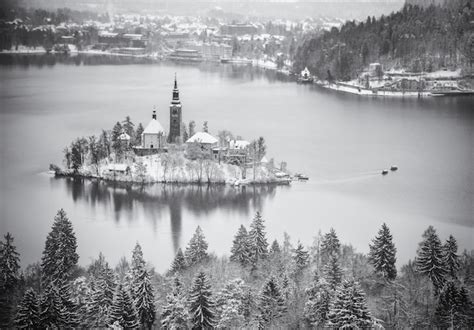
(153, 127)
(202, 137)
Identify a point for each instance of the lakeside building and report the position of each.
(212, 51)
(186, 55)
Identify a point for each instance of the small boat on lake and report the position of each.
(384, 172)
(393, 168)
(301, 177)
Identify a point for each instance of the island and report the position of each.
(181, 155)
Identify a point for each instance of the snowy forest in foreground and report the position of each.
(261, 285)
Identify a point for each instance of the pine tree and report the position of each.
(9, 264)
(145, 301)
(59, 255)
(430, 259)
(454, 310)
(27, 315)
(301, 256)
(201, 304)
(332, 272)
(196, 251)
(138, 134)
(122, 311)
(240, 251)
(175, 314)
(257, 239)
(136, 270)
(101, 302)
(116, 143)
(330, 246)
(275, 248)
(179, 262)
(319, 301)
(128, 127)
(451, 258)
(70, 308)
(272, 305)
(382, 254)
(349, 309)
(52, 312)
(230, 305)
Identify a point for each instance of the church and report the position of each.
(154, 138)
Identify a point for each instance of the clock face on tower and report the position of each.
(175, 112)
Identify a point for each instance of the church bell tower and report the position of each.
(175, 134)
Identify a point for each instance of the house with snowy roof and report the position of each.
(204, 141)
(153, 136)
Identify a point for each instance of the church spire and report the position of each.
(175, 91)
(175, 81)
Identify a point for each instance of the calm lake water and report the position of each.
(341, 141)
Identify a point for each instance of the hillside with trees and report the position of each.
(261, 285)
(414, 38)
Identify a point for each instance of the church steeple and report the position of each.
(175, 91)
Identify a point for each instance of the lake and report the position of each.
(342, 142)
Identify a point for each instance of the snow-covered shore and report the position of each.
(163, 168)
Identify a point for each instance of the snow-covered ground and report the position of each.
(24, 50)
(175, 169)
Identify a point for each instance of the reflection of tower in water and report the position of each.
(176, 213)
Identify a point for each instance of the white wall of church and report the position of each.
(152, 141)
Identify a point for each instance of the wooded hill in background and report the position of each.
(415, 38)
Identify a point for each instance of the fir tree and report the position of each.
(196, 251)
(249, 305)
(175, 314)
(9, 264)
(301, 257)
(145, 301)
(116, 143)
(101, 302)
(122, 311)
(201, 304)
(333, 273)
(330, 246)
(272, 305)
(70, 308)
(382, 254)
(451, 258)
(349, 309)
(257, 239)
(275, 248)
(136, 269)
(27, 315)
(179, 262)
(430, 259)
(240, 251)
(138, 134)
(230, 305)
(52, 312)
(319, 301)
(59, 255)
(454, 310)
(128, 127)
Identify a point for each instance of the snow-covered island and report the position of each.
(182, 155)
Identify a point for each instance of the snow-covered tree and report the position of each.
(300, 256)
(136, 269)
(275, 248)
(455, 309)
(129, 127)
(9, 264)
(230, 304)
(382, 254)
(68, 301)
(116, 143)
(202, 308)
(332, 272)
(100, 304)
(59, 255)
(53, 314)
(451, 257)
(257, 239)
(349, 308)
(330, 246)
(240, 251)
(430, 259)
(175, 313)
(319, 301)
(271, 306)
(28, 314)
(138, 134)
(179, 262)
(196, 251)
(123, 311)
(145, 300)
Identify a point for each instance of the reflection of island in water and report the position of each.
(123, 199)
